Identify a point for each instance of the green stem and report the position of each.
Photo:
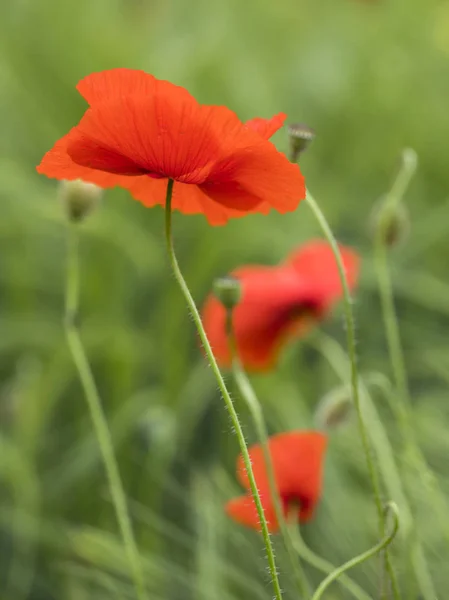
(97, 414)
(386, 541)
(293, 540)
(409, 162)
(350, 333)
(223, 389)
(249, 396)
(338, 360)
(392, 200)
(322, 564)
(403, 404)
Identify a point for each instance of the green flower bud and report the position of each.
(393, 225)
(300, 136)
(334, 409)
(228, 290)
(79, 198)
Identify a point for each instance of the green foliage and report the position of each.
(370, 78)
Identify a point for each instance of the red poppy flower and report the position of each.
(140, 131)
(297, 459)
(278, 303)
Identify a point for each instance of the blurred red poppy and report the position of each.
(139, 131)
(278, 303)
(297, 458)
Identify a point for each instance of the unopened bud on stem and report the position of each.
(79, 198)
(391, 222)
(228, 290)
(334, 409)
(300, 137)
(409, 159)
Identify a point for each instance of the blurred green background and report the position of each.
(371, 77)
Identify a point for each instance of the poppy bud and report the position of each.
(228, 290)
(392, 222)
(79, 198)
(300, 137)
(335, 409)
(409, 160)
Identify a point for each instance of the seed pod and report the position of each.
(300, 136)
(228, 290)
(79, 198)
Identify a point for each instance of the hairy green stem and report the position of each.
(350, 333)
(249, 396)
(338, 360)
(320, 563)
(97, 414)
(402, 399)
(386, 541)
(392, 200)
(223, 389)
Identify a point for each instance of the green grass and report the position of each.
(371, 78)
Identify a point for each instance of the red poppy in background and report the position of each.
(297, 459)
(140, 131)
(278, 303)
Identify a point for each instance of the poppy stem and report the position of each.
(350, 333)
(320, 563)
(414, 459)
(97, 413)
(249, 396)
(223, 389)
(386, 541)
(338, 360)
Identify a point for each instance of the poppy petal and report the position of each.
(93, 155)
(132, 129)
(278, 303)
(297, 461)
(138, 126)
(274, 307)
(58, 164)
(316, 264)
(188, 199)
(254, 175)
(306, 510)
(116, 84)
(165, 137)
(243, 510)
(266, 127)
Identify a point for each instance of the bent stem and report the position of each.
(392, 200)
(97, 414)
(386, 541)
(223, 389)
(402, 404)
(320, 563)
(249, 396)
(338, 360)
(350, 333)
